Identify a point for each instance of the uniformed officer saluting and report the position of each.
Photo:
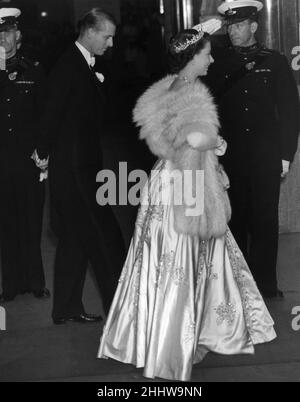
(22, 194)
(259, 108)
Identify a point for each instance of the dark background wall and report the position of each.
(50, 25)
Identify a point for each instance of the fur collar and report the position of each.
(162, 116)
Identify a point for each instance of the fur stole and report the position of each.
(162, 116)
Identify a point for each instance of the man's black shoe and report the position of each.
(24, 291)
(82, 318)
(273, 294)
(41, 293)
(4, 298)
(59, 321)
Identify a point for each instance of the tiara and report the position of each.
(209, 26)
(182, 46)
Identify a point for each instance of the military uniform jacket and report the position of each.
(258, 106)
(21, 95)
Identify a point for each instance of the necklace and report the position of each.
(185, 79)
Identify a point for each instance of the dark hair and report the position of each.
(179, 59)
(95, 18)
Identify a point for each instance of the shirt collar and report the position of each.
(86, 54)
(248, 50)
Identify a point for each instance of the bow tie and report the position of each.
(92, 61)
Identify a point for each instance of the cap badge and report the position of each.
(1, 21)
(231, 12)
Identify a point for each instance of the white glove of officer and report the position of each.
(40, 163)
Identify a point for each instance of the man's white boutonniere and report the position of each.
(100, 77)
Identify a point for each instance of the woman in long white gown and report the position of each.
(185, 288)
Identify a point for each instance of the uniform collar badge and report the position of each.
(250, 66)
(231, 11)
(12, 76)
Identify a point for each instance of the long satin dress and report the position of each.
(179, 297)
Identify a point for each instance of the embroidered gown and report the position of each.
(179, 297)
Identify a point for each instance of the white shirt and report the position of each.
(86, 54)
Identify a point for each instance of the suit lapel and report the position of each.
(98, 84)
(95, 83)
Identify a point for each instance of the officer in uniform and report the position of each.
(259, 107)
(22, 194)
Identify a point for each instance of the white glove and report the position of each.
(221, 146)
(285, 168)
(40, 163)
(201, 141)
(210, 26)
(44, 175)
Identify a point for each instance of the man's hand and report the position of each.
(40, 163)
(285, 168)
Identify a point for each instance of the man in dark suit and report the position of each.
(259, 108)
(22, 194)
(70, 134)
